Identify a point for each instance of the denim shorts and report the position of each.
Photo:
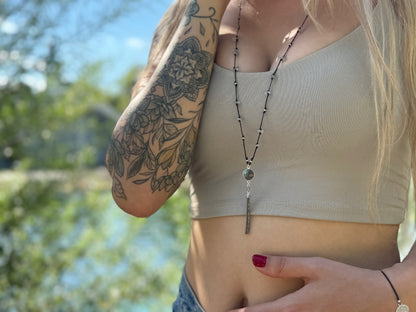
(186, 300)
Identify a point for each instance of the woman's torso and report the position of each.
(219, 261)
(220, 270)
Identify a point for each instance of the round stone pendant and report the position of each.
(248, 174)
(402, 308)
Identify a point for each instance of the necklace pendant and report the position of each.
(402, 308)
(248, 174)
(248, 215)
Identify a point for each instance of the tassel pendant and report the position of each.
(248, 174)
(248, 214)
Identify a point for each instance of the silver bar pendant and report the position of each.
(248, 215)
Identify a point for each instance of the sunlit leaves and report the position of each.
(66, 247)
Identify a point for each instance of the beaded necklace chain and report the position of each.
(248, 173)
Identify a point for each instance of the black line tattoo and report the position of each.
(158, 124)
(192, 11)
(155, 143)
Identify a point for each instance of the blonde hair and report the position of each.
(393, 68)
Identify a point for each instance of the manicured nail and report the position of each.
(259, 261)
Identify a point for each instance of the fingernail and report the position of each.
(259, 261)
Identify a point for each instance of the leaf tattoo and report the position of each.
(192, 11)
(156, 141)
(118, 190)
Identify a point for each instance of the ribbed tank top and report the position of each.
(318, 149)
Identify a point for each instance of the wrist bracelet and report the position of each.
(400, 307)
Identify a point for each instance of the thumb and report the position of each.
(289, 267)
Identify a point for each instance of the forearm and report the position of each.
(153, 141)
(403, 277)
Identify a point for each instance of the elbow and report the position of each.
(137, 203)
(129, 202)
(137, 200)
(135, 207)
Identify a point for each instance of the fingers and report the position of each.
(306, 268)
(290, 267)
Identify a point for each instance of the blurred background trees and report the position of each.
(48, 120)
(64, 245)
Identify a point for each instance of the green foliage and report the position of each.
(126, 84)
(65, 127)
(51, 122)
(64, 246)
(44, 28)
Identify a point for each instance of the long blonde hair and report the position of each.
(393, 68)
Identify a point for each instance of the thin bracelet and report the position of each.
(400, 307)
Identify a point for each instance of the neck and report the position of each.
(269, 16)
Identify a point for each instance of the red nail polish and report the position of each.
(259, 261)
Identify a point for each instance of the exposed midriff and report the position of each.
(221, 273)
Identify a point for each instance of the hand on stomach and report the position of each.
(219, 266)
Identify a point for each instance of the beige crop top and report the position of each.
(317, 153)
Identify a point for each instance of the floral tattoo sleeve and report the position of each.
(155, 143)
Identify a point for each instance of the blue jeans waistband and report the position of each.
(186, 301)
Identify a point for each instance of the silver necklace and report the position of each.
(248, 172)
